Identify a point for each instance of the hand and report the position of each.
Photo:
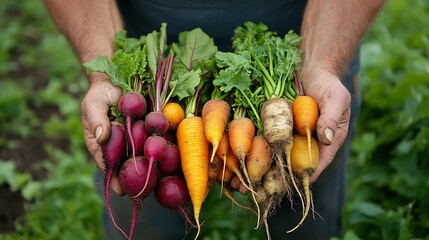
(95, 121)
(333, 100)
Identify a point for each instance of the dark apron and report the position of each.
(219, 18)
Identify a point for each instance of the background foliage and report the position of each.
(45, 165)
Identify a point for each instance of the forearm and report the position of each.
(332, 31)
(89, 25)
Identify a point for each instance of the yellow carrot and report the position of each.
(194, 153)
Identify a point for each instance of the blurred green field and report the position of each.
(46, 175)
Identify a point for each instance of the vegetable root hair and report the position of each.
(277, 120)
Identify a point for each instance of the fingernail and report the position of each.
(98, 132)
(329, 134)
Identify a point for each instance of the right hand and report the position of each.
(95, 119)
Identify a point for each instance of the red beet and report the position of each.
(139, 135)
(133, 180)
(156, 123)
(113, 153)
(154, 151)
(132, 106)
(172, 192)
(170, 163)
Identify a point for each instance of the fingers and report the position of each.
(95, 107)
(116, 186)
(332, 109)
(96, 122)
(327, 152)
(238, 186)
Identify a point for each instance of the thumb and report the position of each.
(332, 115)
(95, 115)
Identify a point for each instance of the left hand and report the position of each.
(333, 100)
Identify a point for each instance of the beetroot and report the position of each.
(157, 123)
(114, 149)
(139, 135)
(132, 105)
(133, 180)
(154, 151)
(113, 153)
(170, 163)
(172, 193)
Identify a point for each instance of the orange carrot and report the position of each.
(214, 170)
(258, 160)
(225, 177)
(215, 114)
(303, 166)
(240, 134)
(194, 153)
(174, 114)
(305, 115)
(221, 153)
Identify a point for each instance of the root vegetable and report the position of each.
(172, 193)
(258, 160)
(194, 153)
(215, 114)
(133, 180)
(139, 135)
(113, 153)
(156, 123)
(170, 163)
(303, 166)
(174, 114)
(154, 151)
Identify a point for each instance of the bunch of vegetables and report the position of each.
(191, 115)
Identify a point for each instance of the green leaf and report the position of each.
(156, 44)
(194, 46)
(185, 83)
(103, 65)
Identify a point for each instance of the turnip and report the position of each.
(113, 153)
(270, 194)
(172, 193)
(133, 180)
(170, 163)
(139, 135)
(276, 115)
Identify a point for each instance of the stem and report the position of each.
(268, 80)
(298, 84)
(167, 79)
(251, 106)
(158, 83)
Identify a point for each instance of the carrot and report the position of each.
(303, 166)
(174, 114)
(225, 177)
(222, 151)
(194, 153)
(214, 170)
(258, 160)
(305, 115)
(233, 164)
(215, 114)
(240, 134)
